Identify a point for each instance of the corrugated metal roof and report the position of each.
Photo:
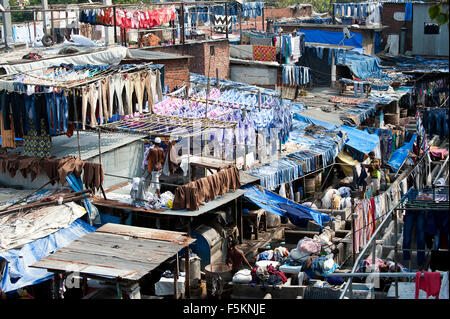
(117, 251)
(63, 146)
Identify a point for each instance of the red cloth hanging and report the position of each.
(430, 283)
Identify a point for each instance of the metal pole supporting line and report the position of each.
(175, 278)
(226, 20)
(115, 24)
(75, 110)
(440, 171)
(380, 274)
(187, 282)
(395, 250)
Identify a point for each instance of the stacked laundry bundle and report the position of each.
(295, 75)
(128, 19)
(196, 193)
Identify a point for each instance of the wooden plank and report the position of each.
(99, 260)
(141, 255)
(131, 243)
(147, 233)
(63, 266)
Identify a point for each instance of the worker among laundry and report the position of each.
(236, 258)
(374, 172)
(155, 159)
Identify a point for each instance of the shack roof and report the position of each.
(117, 251)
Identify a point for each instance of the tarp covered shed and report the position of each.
(361, 141)
(29, 235)
(279, 205)
(18, 273)
(117, 251)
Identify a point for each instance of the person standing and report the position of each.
(156, 157)
(375, 174)
(236, 258)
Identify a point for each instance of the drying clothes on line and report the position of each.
(129, 19)
(296, 75)
(292, 47)
(362, 11)
(430, 283)
(278, 172)
(196, 193)
(252, 9)
(56, 169)
(264, 53)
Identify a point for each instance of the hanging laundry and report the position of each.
(264, 53)
(295, 75)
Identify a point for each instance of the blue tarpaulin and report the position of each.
(362, 66)
(19, 274)
(309, 120)
(361, 141)
(332, 37)
(270, 202)
(400, 155)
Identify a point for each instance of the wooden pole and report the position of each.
(263, 28)
(115, 25)
(53, 28)
(395, 251)
(187, 283)
(240, 23)
(75, 110)
(226, 20)
(175, 278)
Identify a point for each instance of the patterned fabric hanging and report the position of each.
(264, 53)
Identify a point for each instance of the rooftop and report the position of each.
(117, 252)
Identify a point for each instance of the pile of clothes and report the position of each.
(337, 198)
(267, 275)
(147, 200)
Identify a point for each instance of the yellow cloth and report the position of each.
(349, 161)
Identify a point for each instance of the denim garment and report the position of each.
(411, 218)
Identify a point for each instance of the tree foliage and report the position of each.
(436, 13)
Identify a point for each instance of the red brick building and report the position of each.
(176, 66)
(201, 60)
(392, 19)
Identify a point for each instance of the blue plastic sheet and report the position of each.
(361, 141)
(269, 202)
(19, 274)
(362, 66)
(400, 155)
(309, 120)
(332, 37)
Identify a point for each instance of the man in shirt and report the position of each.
(374, 172)
(236, 258)
(156, 158)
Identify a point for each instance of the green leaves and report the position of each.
(436, 14)
(434, 11)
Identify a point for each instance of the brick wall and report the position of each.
(176, 71)
(200, 52)
(394, 26)
(305, 11)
